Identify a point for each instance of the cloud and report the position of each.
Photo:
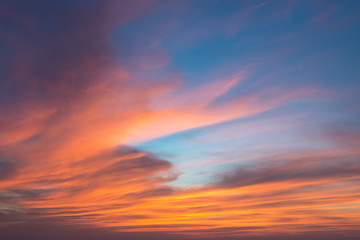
(7, 168)
(68, 106)
(91, 188)
(301, 170)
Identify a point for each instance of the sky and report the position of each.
(179, 119)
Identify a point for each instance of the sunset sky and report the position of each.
(179, 119)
